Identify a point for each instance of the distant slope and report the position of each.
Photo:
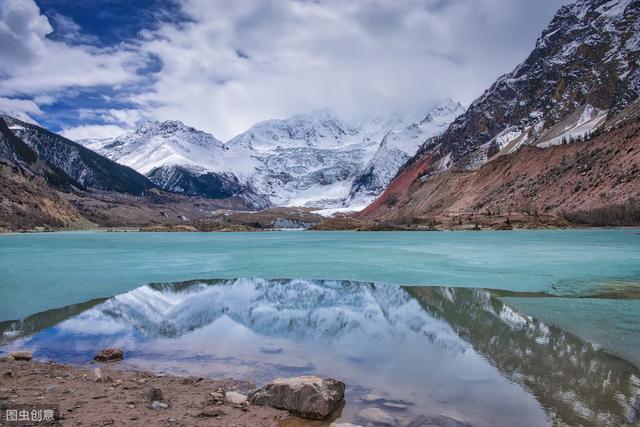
(582, 72)
(594, 182)
(51, 183)
(28, 189)
(84, 167)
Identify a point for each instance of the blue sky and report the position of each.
(96, 68)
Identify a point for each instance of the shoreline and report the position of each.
(104, 395)
(141, 230)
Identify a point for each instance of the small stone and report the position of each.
(131, 406)
(376, 417)
(158, 405)
(21, 355)
(97, 373)
(235, 398)
(218, 396)
(8, 374)
(109, 355)
(211, 413)
(154, 393)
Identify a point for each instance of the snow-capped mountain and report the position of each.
(583, 66)
(80, 166)
(396, 148)
(582, 72)
(171, 143)
(182, 159)
(310, 159)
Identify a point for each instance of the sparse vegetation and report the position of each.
(627, 214)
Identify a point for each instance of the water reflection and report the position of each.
(416, 351)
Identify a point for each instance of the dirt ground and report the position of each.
(121, 398)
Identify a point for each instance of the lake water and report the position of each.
(420, 353)
(556, 341)
(49, 270)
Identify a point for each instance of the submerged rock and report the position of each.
(21, 355)
(306, 396)
(376, 417)
(109, 355)
(437, 421)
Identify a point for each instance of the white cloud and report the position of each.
(24, 105)
(236, 63)
(242, 62)
(32, 64)
(20, 108)
(92, 132)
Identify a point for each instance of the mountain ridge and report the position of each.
(309, 159)
(582, 72)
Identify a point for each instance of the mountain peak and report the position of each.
(446, 108)
(166, 127)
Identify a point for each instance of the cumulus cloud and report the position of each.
(22, 33)
(241, 62)
(231, 64)
(32, 64)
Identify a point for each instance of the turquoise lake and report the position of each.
(49, 270)
(419, 324)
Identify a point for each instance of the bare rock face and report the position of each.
(21, 355)
(109, 355)
(306, 396)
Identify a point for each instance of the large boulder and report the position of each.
(307, 396)
(21, 355)
(109, 355)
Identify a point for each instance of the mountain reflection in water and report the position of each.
(411, 351)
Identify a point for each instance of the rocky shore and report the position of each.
(101, 395)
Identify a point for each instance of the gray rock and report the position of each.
(376, 417)
(235, 398)
(306, 396)
(21, 355)
(109, 355)
(158, 405)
